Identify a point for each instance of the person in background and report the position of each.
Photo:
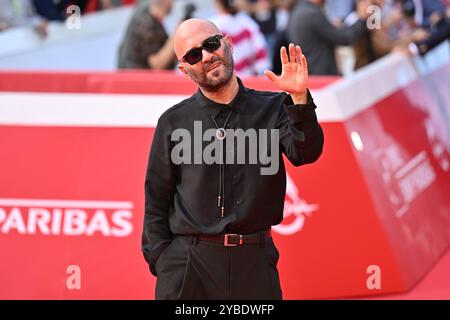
(423, 11)
(281, 39)
(337, 11)
(377, 41)
(250, 48)
(52, 10)
(146, 44)
(82, 4)
(264, 13)
(87, 6)
(309, 27)
(439, 33)
(430, 15)
(19, 13)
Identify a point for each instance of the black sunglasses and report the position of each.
(210, 44)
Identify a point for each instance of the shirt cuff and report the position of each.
(300, 112)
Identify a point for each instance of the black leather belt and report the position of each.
(233, 239)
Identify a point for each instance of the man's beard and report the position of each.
(216, 83)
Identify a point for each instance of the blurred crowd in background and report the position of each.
(36, 13)
(367, 29)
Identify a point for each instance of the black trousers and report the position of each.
(189, 269)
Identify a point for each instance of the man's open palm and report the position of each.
(294, 75)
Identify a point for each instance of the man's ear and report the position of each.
(183, 71)
(229, 41)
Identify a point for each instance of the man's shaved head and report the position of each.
(215, 69)
(191, 33)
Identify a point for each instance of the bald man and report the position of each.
(210, 196)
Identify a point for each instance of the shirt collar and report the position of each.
(214, 108)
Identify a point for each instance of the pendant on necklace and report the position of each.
(220, 133)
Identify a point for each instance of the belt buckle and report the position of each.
(226, 241)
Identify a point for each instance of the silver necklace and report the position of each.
(220, 135)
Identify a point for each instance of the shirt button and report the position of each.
(228, 125)
(235, 177)
(237, 202)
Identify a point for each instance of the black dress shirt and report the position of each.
(182, 198)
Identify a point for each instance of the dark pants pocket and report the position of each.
(172, 270)
(206, 275)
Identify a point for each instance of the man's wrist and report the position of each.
(300, 98)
